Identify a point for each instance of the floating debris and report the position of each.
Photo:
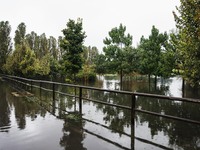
(22, 94)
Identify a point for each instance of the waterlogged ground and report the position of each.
(40, 122)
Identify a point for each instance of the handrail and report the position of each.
(113, 91)
(133, 95)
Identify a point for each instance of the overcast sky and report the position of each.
(99, 16)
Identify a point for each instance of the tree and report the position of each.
(72, 44)
(117, 46)
(52, 46)
(22, 62)
(43, 46)
(60, 49)
(188, 47)
(31, 40)
(151, 52)
(53, 49)
(20, 34)
(100, 64)
(5, 42)
(89, 54)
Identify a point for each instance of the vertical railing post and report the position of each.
(31, 86)
(53, 88)
(54, 103)
(80, 100)
(133, 106)
(40, 89)
(75, 93)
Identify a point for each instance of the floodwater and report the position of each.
(40, 123)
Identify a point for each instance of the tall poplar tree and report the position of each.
(188, 47)
(20, 34)
(72, 44)
(5, 42)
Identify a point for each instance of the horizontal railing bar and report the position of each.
(168, 116)
(137, 138)
(152, 143)
(114, 91)
(65, 94)
(168, 97)
(45, 89)
(72, 85)
(96, 101)
(136, 94)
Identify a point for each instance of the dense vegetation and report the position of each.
(159, 54)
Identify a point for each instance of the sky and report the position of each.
(99, 16)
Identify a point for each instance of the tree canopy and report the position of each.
(5, 43)
(159, 54)
(154, 54)
(72, 45)
(117, 49)
(188, 45)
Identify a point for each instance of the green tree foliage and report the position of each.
(72, 44)
(153, 54)
(31, 40)
(42, 67)
(5, 42)
(89, 54)
(31, 55)
(61, 51)
(20, 34)
(88, 69)
(188, 46)
(54, 53)
(100, 64)
(22, 62)
(52, 46)
(117, 49)
(43, 50)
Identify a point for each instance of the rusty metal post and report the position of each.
(53, 88)
(54, 100)
(40, 89)
(133, 106)
(31, 86)
(80, 100)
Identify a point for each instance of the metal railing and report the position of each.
(133, 97)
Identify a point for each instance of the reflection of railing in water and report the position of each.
(132, 108)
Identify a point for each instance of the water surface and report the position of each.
(40, 122)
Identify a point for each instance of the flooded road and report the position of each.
(39, 122)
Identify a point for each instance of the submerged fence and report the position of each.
(134, 95)
(133, 98)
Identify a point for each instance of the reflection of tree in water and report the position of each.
(115, 118)
(4, 109)
(23, 108)
(191, 92)
(73, 134)
(182, 134)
